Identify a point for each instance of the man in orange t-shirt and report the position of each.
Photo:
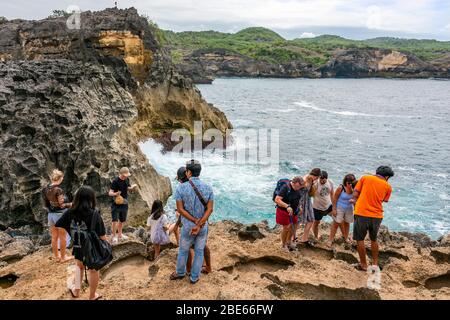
(370, 193)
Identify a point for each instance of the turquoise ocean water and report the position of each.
(340, 125)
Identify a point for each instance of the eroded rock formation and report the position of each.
(204, 65)
(81, 100)
(249, 270)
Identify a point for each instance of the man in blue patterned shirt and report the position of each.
(194, 218)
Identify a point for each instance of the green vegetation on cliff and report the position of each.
(264, 44)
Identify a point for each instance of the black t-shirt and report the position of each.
(121, 185)
(290, 197)
(88, 217)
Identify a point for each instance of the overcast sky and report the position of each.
(357, 19)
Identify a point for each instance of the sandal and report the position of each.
(306, 243)
(73, 294)
(98, 296)
(176, 276)
(205, 270)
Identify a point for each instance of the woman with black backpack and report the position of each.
(83, 218)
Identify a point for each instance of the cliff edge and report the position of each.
(248, 263)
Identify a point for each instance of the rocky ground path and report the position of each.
(247, 264)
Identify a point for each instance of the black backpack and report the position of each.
(280, 184)
(96, 252)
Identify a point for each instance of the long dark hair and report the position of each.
(157, 209)
(84, 201)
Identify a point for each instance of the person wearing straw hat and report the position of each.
(119, 207)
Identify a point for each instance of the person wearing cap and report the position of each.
(322, 200)
(119, 209)
(369, 194)
(194, 219)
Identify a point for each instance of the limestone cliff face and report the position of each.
(379, 63)
(81, 100)
(204, 65)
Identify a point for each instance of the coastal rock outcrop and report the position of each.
(203, 65)
(81, 100)
(359, 63)
(248, 270)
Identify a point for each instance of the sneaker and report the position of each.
(124, 237)
(115, 240)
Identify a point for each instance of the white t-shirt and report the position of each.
(154, 223)
(322, 198)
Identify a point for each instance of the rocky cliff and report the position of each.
(247, 263)
(81, 100)
(204, 65)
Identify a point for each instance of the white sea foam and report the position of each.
(242, 123)
(280, 110)
(444, 196)
(404, 168)
(248, 184)
(308, 105)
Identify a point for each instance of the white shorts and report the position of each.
(344, 215)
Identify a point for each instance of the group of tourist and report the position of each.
(303, 200)
(63, 216)
(306, 200)
(194, 200)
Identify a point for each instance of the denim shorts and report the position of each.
(53, 217)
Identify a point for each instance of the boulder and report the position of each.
(444, 241)
(250, 233)
(44, 239)
(141, 234)
(4, 239)
(441, 254)
(16, 250)
(420, 239)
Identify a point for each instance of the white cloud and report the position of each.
(407, 16)
(307, 35)
(374, 19)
